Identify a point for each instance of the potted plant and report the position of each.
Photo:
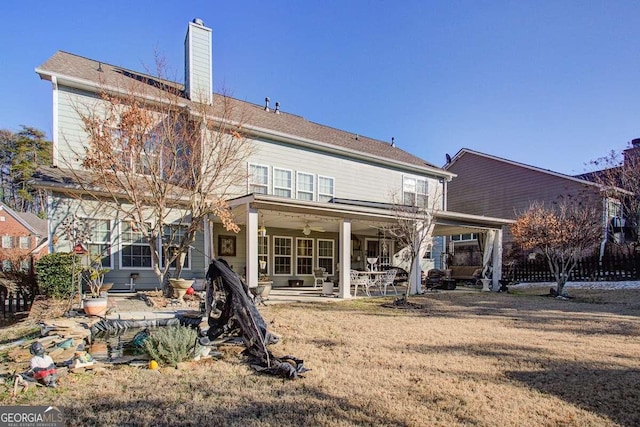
(96, 305)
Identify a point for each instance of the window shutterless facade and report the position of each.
(304, 256)
(326, 255)
(258, 179)
(305, 186)
(173, 235)
(282, 256)
(99, 241)
(326, 188)
(263, 255)
(282, 182)
(135, 251)
(415, 191)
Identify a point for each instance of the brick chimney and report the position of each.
(631, 154)
(198, 67)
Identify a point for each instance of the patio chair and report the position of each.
(319, 276)
(359, 279)
(389, 280)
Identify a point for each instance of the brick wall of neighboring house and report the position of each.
(11, 232)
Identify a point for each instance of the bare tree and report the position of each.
(161, 163)
(564, 233)
(412, 229)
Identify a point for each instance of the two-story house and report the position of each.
(494, 186)
(24, 239)
(315, 196)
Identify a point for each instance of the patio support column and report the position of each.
(344, 258)
(251, 260)
(497, 260)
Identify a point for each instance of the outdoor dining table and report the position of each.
(372, 277)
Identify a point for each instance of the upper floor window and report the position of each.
(139, 153)
(282, 182)
(7, 242)
(258, 179)
(135, 248)
(415, 191)
(326, 189)
(306, 189)
(24, 242)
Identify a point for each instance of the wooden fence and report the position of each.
(13, 302)
(610, 268)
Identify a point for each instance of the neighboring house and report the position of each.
(497, 187)
(24, 239)
(315, 197)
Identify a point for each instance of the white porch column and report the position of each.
(497, 260)
(344, 258)
(251, 260)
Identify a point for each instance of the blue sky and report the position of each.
(553, 84)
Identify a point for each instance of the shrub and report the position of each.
(55, 274)
(171, 345)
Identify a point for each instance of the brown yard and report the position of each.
(482, 359)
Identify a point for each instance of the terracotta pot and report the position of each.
(94, 306)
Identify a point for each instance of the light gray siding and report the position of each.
(71, 138)
(198, 67)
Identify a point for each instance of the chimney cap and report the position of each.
(198, 21)
(635, 142)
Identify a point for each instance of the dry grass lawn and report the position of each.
(481, 359)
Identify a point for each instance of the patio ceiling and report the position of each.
(366, 219)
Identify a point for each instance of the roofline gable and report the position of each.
(18, 218)
(464, 151)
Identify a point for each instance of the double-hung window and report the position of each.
(7, 242)
(258, 179)
(305, 186)
(24, 242)
(415, 191)
(99, 241)
(263, 255)
(282, 182)
(135, 249)
(282, 255)
(326, 255)
(173, 235)
(304, 256)
(326, 189)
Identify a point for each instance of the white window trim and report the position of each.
(310, 257)
(275, 187)
(313, 181)
(7, 242)
(24, 239)
(333, 181)
(189, 255)
(120, 250)
(111, 230)
(332, 257)
(415, 192)
(291, 256)
(250, 176)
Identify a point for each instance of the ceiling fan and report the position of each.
(307, 229)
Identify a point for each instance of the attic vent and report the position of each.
(266, 104)
(100, 67)
(393, 141)
(277, 108)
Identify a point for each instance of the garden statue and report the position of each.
(42, 366)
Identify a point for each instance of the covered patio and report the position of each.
(341, 234)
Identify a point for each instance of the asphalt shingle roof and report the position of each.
(92, 71)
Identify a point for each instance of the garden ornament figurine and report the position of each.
(42, 366)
